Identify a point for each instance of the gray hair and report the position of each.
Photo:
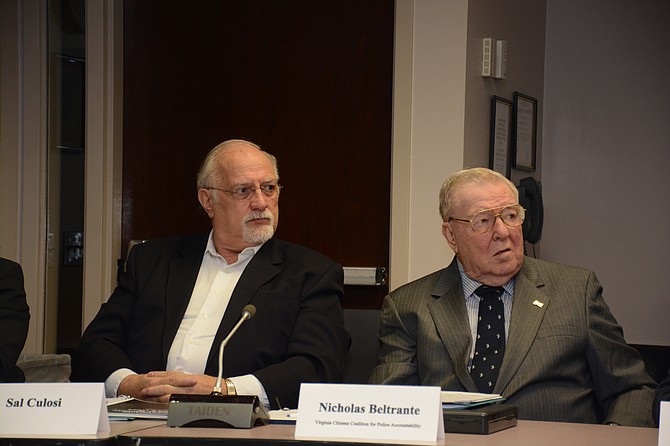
(475, 175)
(207, 171)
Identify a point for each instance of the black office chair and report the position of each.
(363, 326)
(121, 263)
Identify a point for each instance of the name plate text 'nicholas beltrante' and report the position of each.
(412, 414)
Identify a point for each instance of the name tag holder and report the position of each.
(50, 408)
(411, 414)
(664, 424)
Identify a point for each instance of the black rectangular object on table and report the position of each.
(484, 419)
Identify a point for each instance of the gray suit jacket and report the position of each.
(565, 360)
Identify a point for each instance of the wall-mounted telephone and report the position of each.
(530, 198)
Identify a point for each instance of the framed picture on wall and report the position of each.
(501, 135)
(525, 132)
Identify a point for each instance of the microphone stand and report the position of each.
(246, 315)
(217, 409)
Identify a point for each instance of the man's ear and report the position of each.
(448, 233)
(205, 199)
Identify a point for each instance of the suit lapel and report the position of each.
(262, 268)
(181, 277)
(451, 320)
(529, 306)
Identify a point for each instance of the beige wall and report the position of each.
(522, 24)
(428, 145)
(606, 154)
(444, 107)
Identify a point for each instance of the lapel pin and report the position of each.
(538, 304)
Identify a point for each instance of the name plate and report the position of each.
(53, 409)
(412, 414)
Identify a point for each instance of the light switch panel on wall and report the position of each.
(501, 59)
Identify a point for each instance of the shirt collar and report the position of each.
(246, 252)
(470, 285)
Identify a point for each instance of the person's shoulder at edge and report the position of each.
(552, 271)
(547, 264)
(13, 280)
(174, 242)
(297, 251)
(6, 264)
(416, 293)
(164, 248)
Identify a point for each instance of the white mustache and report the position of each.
(254, 215)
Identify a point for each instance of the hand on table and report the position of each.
(158, 386)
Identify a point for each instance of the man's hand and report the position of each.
(158, 386)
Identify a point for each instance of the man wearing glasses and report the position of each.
(161, 329)
(495, 321)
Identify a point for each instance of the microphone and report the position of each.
(247, 313)
(217, 409)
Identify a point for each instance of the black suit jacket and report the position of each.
(297, 334)
(14, 318)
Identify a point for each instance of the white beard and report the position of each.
(258, 234)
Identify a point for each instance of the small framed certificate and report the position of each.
(525, 132)
(501, 135)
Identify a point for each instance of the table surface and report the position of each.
(525, 433)
(117, 428)
(153, 432)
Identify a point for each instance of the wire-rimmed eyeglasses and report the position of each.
(482, 222)
(270, 190)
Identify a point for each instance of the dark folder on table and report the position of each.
(484, 419)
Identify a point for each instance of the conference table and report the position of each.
(102, 438)
(526, 433)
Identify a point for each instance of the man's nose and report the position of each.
(500, 229)
(258, 200)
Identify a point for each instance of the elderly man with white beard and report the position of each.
(160, 331)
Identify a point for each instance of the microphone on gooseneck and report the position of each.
(217, 409)
(247, 313)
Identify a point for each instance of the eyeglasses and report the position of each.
(482, 222)
(245, 192)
